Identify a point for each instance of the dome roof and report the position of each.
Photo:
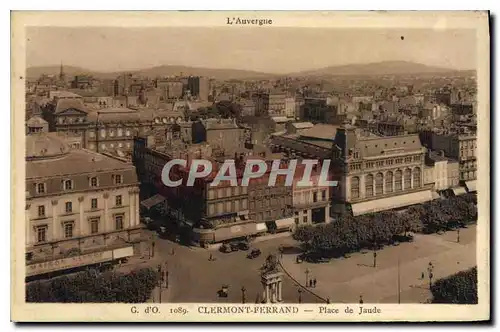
(44, 145)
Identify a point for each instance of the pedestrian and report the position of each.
(210, 258)
(173, 251)
(422, 276)
(327, 300)
(310, 283)
(361, 299)
(314, 283)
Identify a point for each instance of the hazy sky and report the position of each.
(272, 50)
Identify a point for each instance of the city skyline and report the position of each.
(272, 51)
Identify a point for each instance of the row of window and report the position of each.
(71, 120)
(374, 185)
(111, 133)
(104, 146)
(266, 215)
(304, 197)
(226, 192)
(387, 162)
(69, 184)
(227, 207)
(69, 227)
(68, 206)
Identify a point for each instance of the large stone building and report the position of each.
(443, 172)
(82, 208)
(459, 144)
(324, 110)
(198, 87)
(377, 173)
(271, 205)
(107, 129)
(223, 134)
(210, 212)
(311, 204)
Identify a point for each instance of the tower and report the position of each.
(62, 76)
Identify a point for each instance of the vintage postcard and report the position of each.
(250, 166)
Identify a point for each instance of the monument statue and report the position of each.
(271, 278)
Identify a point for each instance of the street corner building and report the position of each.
(379, 173)
(82, 208)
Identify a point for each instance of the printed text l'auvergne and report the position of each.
(244, 21)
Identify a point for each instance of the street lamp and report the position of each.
(430, 269)
(243, 298)
(458, 235)
(300, 295)
(307, 276)
(160, 281)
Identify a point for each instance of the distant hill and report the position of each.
(222, 74)
(35, 72)
(375, 69)
(369, 69)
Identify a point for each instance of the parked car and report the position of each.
(243, 245)
(225, 248)
(403, 238)
(315, 258)
(254, 253)
(235, 246)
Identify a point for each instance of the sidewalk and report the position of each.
(344, 280)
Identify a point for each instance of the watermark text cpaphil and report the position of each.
(254, 169)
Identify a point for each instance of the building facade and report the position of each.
(461, 145)
(311, 204)
(77, 202)
(198, 87)
(378, 173)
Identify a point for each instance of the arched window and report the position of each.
(388, 182)
(355, 187)
(407, 178)
(416, 178)
(379, 184)
(93, 182)
(369, 185)
(399, 180)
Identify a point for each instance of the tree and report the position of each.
(460, 288)
(228, 109)
(93, 286)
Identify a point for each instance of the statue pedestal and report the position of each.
(272, 283)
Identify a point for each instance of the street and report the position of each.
(194, 278)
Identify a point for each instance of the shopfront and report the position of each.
(78, 261)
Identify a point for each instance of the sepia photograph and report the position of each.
(251, 165)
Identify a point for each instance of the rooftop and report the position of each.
(63, 94)
(321, 131)
(73, 162)
(36, 121)
(65, 104)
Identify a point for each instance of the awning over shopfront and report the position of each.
(152, 201)
(393, 202)
(285, 223)
(236, 231)
(471, 186)
(262, 227)
(457, 191)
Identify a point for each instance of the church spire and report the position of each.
(61, 72)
